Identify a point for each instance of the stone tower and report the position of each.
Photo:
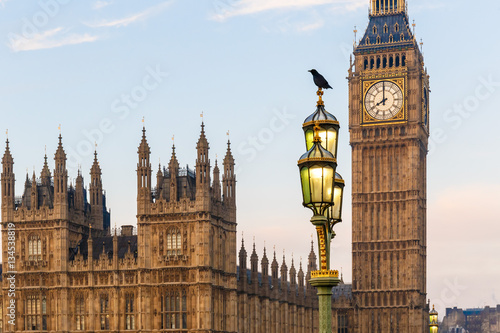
(187, 243)
(389, 129)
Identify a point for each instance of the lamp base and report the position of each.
(324, 285)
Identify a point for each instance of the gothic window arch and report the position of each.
(34, 248)
(80, 312)
(36, 313)
(173, 310)
(375, 29)
(129, 312)
(386, 28)
(402, 37)
(174, 242)
(104, 311)
(391, 38)
(396, 27)
(379, 40)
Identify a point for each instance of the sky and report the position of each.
(98, 67)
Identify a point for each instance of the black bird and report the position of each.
(319, 80)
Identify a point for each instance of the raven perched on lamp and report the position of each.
(319, 80)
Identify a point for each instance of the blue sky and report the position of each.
(98, 67)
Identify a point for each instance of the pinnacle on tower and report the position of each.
(243, 261)
(202, 166)
(173, 169)
(143, 174)
(45, 175)
(7, 179)
(7, 156)
(216, 183)
(96, 193)
(229, 178)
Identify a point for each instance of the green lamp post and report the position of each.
(322, 191)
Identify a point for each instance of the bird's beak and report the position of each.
(309, 71)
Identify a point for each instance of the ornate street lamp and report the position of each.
(329, 127)
(433, 321)
(322, 191)
(334, 213)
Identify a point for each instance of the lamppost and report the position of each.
(433, 321)
(322, 191)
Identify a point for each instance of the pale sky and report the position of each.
(98, 67)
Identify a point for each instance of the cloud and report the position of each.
(230, 8)
(123, 22)
(49, 39)
(101, 4)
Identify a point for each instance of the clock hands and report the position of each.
(383, 92)
(382, 101)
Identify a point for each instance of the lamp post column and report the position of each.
(324, 279)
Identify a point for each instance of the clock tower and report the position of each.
(389, 130)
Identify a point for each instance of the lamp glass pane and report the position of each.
(337, 203)
(331, 141)
(309, 138)
(306, 191)
(328, 184)
(316, 181)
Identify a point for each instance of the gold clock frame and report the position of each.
(400, 117)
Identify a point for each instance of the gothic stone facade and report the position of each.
(389, 129)
(177, 273)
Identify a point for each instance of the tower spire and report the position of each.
(173, 169)
(202, 167)
(60, 180)
(143, 175)
(229, 178)
(96, 194)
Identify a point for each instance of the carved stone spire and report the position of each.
(143, 175)
(216, 183)
(8, 182)
(202, 167)
(173, 169)
(96, 194)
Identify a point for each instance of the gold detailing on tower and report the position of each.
(320, 97)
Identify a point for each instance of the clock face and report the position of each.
(384, 100)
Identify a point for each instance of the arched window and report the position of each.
(391, 38)
(396, 27)
(378, 62)
(402, 37)
(34, 248)
(375, 29)
(366, 63)
(378, 40)
(372, 63)
(104, 311)
(80, 313)
(403, 60)
(36, 313)
(173, 310)
(174, 242)
(386, 28)
(129, 312)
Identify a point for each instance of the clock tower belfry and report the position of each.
(389, 130)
